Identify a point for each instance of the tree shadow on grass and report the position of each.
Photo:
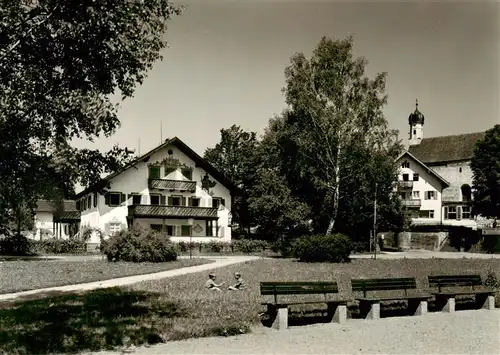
(96, 320)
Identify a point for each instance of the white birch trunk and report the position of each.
(336, 192)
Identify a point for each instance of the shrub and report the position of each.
(323, 248)
(57, 246)
(139, 245)
(249, 245)
(16, 245)
(491, 280)
(215, 247)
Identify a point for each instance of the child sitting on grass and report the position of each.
(239, 285)
(211, 285)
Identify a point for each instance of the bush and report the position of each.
(323, 248)
(57, 246)
(215, 247)
(17, 245)
(139, 245)
(249, 245)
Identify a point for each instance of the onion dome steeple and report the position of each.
(416, 117)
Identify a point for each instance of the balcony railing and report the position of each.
(172, 185)
(405, 184)
(411, 202)
(162, 211)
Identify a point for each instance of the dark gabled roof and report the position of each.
(443, 181)
(209, 168)
(67, 216)
(446, 148)
(51, 206)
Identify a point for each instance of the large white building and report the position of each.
(170, 189)
(446, 159)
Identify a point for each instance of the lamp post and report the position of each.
(190, 222)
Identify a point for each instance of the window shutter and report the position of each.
(78, 205)
(162, 199)
(190, 201)
(106, 199)
(177, 230)
(183, 201)
(123, 198)
(170, 200)
(95, 199)
(223, 202)
(107, 228)
(445, 212)
(459, 213)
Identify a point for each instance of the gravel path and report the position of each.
(463, 332)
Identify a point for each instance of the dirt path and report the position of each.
(463, 332)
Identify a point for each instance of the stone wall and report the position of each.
(457, 174)
(421, 240)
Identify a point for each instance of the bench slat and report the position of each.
(297, 288)
(454, 280)
(383, 284)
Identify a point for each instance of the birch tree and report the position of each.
(334, 106)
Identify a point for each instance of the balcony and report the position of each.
(411, 202)
(162, 211)
(405, 184)
(172, 185)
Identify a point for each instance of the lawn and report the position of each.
(22, 275)
(179, 307)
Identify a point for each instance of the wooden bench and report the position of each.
(445, 299)
(279, 310)
(369, 305)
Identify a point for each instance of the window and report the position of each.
(170, 231)
(466, 192)
(154, 199)
(426, 214)
(89, 201)
(416, 195)
(157, 227)
(415, 177)
(114, 199)
(167, 170)
(450, 212)
(216, 202)
(84, 200)
(403, 195)
(114, 228)
(414, 132)
(185, 231)
(187, 173)
(154, 172)
(406, 177)
(176, 200)
(406, 164)
(136, 199)
(466, 212)
(194, 201)
(460, 169)
(95, 199)
(430, 195)
(209, 228)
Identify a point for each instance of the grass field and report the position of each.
(22, 275)
(179, 307)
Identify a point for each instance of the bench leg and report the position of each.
(370, 310)
(339, 313)
(485, 302)
(449, 306)
(418, 307)
(281, 320)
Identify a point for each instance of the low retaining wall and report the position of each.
(421, 240)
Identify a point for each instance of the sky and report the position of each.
(226, 59)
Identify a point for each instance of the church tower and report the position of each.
(416, 122)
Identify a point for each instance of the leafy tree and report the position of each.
(60, 61)
(333, 129)
(485, 166)
(236, 157)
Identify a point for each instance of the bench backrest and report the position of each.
(365, 285)
(441, 281)
(297, 288)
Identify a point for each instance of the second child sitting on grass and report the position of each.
(239, 285)
(211, 285)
